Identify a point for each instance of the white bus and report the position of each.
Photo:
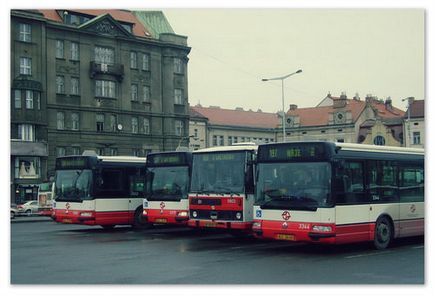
(98, 190)
(335, 193)
(222, 187)
(166, 189)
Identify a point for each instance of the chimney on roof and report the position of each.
(239, 109)
(388, 104)
(356, 96)
(340, 102)
(411, 100)
(293, 107)
(369, 98)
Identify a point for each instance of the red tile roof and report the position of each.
(417, 109)
(218, 116)
(319, 116)
(120, 15)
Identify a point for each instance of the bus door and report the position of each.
(412, 213)
(352, 205)
(137, 190)
(112, 200)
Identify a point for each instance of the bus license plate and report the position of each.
(161, 220)
(285, 237)
(210, 224)
(67, 220)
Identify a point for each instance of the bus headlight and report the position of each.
(194, 213)
(238, 215)
(182, 214)
(322, 228)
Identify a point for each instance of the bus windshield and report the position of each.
(167, 183)
(296, 186)
(73, 185)
(218, 172)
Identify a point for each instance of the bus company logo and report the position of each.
(286, 215)
(413, 208)
(285, 225)
(258, 213)
(162, 205)
(68, 206)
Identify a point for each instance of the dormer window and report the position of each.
(129, 28)
(74, 19)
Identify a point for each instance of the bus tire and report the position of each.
(108, 226)
(139, 222)
(383, 234)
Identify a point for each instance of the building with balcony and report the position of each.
(93, 80)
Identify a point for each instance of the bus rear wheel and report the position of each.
(383, 233)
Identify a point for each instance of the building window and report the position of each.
(25, 66)
(179, 127)
(230, 140)
(75, 51)
(60, 84)
(26, 132)
(100, 151)
(17, 99)
(177, 63)
(379, 140)
(146, 94)
(60, 120)
(214, 140)
(29, 99)
(134, 90)
(134, 125)
(99, 122)
(133, 60)
(340, 140)
(60, 49)
(113, 151)
(37, 97)
(75, 151)
(104, 55)
(60, 151)
(221, 140)
(145, 62)
(27, 167)
(146, 126)
(25, 34)
(113, 123)
(136, 152)
(75, 121)
(75, 86)
(195, 133)
(105, 88)
(416, 137)
(178, 96)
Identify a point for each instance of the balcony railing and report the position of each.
(116, 70)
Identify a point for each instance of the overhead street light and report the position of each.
(283, 98)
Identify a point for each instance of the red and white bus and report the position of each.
(167, 185)
(98, 190)
(335, 193)
(222, 187)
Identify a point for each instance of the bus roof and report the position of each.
(379, 148)
(238, 147)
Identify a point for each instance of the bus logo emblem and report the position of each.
(286, 215)
(285, 225)
(413, 208)
(162, 205)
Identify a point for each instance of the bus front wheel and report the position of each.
(383, 233)
(140, 222)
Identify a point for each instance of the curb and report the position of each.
(30, 219)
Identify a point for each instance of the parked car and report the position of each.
(28, 207)
(14, 211)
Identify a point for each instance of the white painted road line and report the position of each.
(368, 254)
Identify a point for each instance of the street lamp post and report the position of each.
(282, 79)
(408, 99)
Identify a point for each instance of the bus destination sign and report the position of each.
(71, 163)
(166, 159)
(292, 152)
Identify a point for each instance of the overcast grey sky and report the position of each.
(375, 51)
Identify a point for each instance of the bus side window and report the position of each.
(349, 184)
(411, 186)
(382, 181)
